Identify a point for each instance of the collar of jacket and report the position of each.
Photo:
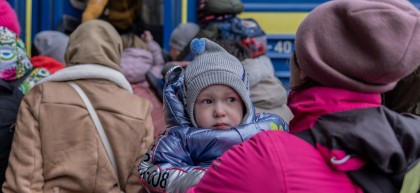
(89, 71)
(309, 104)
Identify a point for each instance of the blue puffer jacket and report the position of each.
(180, 156)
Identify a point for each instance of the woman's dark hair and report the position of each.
(34, 51)
(308, 82)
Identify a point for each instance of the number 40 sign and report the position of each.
(284, 47)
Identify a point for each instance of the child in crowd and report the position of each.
(216, 114)
(56, 145)
(347, 53)
(136, 63)
(181, 37)
(267, 92)
(52, 44)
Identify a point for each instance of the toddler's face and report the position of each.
(218, 107)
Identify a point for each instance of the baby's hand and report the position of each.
(147, 36)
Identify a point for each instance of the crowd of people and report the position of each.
(106, 109)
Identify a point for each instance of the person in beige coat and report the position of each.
(56, 146)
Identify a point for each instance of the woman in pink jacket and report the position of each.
(347, 52)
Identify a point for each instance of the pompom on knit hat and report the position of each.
(360, 45)
(8, 17)
(182, 35)
(213, 65)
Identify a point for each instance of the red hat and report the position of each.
(8, 17)
(48, 63)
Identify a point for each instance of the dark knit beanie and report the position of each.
(213, 65)
(360, 45)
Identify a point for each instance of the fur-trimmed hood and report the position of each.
(89, 71)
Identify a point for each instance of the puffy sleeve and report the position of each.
(167, 165)
(25, 170)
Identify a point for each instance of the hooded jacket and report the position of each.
(267, 92)
(375, 146)
(56, 146)
(136, 62)
(18, 75)
(349, 131)
(182, 153)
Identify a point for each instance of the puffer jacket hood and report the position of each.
(182, 153)
(106, 50)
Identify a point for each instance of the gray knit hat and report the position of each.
(52, 44)
(182, 35)
(213, 65)
(360, 45)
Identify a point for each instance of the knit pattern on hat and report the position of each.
(213, 65)
(182, 35)
(14, 61)
(364, 46)
(8, 17)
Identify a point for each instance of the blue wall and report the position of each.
(46, 14)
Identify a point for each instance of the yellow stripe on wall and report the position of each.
(277, 22)
(184, 11)
(28, 25)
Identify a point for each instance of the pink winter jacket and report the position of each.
(274, 162)
(280, 162)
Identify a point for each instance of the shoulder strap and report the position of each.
(98, 126)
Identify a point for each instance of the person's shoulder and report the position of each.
(139, 102)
